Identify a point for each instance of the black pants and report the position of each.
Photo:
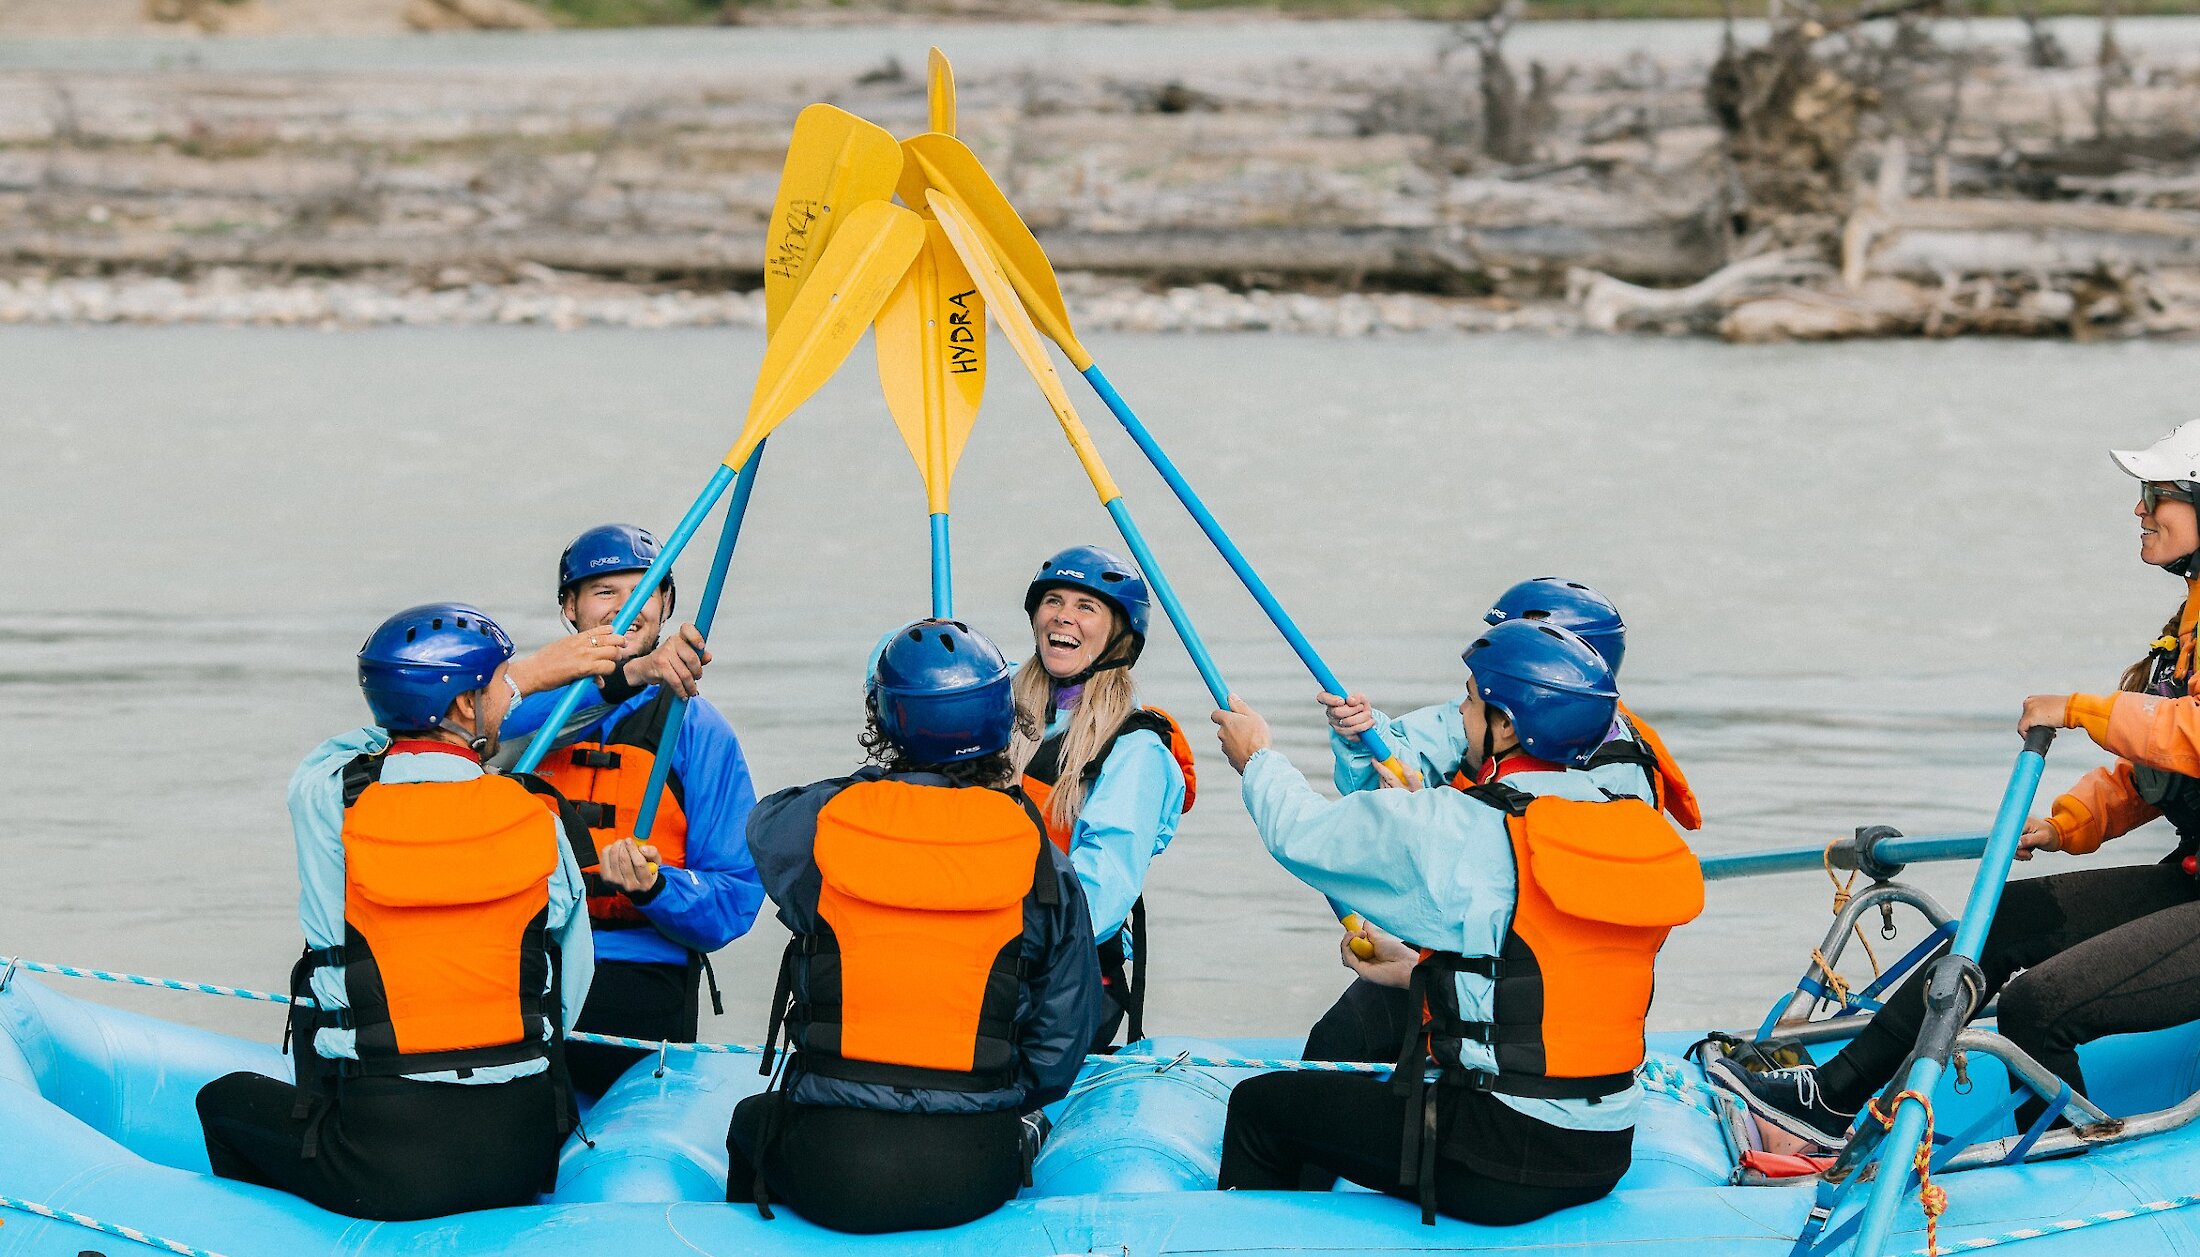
(1281, 1125)
(2102, 951)
(1367, 1023)
(637, 1001)
(864, 1171)
(389, 1149)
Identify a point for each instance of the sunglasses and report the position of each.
(2153, 493)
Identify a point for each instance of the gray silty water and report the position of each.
(1844, 567)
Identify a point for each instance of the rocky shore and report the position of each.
(1880, 175)
(548, 299)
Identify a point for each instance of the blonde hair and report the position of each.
(1108, 700)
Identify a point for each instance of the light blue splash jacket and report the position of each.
(1433, 867)
(1432, 741)
(1129, 817)
(317, 823)
(714, 900)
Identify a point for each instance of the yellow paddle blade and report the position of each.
(835, 162)
(939, 89)
(1015, 323)
(842, 294)
(931, 360)
(942, 162)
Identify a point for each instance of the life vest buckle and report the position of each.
(591, 757)
(596, 815)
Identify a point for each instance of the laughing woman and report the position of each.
(2103, 951)
(1110, 777)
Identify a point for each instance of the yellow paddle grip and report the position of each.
(1361, 947)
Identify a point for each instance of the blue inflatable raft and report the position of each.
(96, 1110)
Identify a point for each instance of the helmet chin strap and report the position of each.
(2184, 567)
(1100, 665)
(478, 740)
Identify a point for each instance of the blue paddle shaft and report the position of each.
(1920, 849)
(1193, 645)
(1372, 741)
(1893, 1181)
(569, 699)
(660, 770)
(943, 575)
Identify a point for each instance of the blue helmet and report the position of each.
(942, 692)
(1555, 688)
(421, 659)
(1570, 605)
(1096, 571)
(608, 548)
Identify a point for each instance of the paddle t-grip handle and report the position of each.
(2039, 739)
(1363, 948)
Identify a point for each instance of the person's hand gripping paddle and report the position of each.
(844, 291)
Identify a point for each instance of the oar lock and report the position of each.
(1862, 853)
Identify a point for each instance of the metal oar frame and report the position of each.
(1889, 1144)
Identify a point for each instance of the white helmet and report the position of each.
(2175, 458)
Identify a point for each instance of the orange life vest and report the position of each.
(913, 976)
(1045, 768)
(1599, 886)
(446, 956)
(605, 782)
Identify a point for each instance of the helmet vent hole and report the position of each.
(916, 635)
(412, 634)
(1112, 577)
(1547, 630)
(948, 642)
(436, 624)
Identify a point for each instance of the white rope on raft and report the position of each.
(662, 1047)
(2063, 1226)
(104, 1228)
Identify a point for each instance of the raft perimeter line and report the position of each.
(14, 963)
(104, 1228)
(2064, 1226)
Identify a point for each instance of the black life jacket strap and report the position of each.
(1135, 1009)
(462, 1060)
(782, 997)
(363, 771)
(594, 757)
(1510, 800)
(710, 976)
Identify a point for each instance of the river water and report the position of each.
(1843, 566)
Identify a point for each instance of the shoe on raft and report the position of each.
(1787, 1099)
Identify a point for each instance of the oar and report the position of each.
(1015, 324)
(939, 92)
(835, 162)
(1948, 1005)
(1844, 854)
(841, 296)
(931, 364)
(942, 162)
